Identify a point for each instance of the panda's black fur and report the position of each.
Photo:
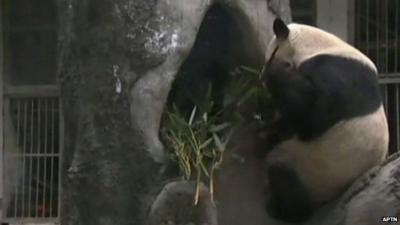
(328, 100)
(348, 90)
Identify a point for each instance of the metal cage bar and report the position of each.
(35, 194)
(398, 115)
(377, 31)
(396, 49)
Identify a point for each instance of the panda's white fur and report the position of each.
(331, 162)
(305, 41)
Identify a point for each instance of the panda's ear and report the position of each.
(281, 31)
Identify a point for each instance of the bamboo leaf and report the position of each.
(220, 127)
(218, 142)
(206, 143)
(205, 117)
(250, 70)
(192, 115)
(228, 136)
(197, 193)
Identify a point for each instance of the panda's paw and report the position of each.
(287, 198)
(287, 213)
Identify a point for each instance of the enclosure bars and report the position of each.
(36, 136)
(377, 35)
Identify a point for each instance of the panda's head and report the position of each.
(295, 43)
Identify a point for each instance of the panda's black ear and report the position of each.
(281, 31)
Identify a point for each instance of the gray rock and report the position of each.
(175, 205)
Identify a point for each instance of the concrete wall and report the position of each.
(335, 17)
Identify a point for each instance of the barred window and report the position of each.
(377, 34)
(32, 122)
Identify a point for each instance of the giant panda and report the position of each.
(331, 128)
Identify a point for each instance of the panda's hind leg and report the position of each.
(287, 198)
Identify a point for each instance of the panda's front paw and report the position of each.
(271, 206)
(286, 197)
(286, 213)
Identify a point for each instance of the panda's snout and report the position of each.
(277, 70)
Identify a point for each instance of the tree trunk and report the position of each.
(106, 172)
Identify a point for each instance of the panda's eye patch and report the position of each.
(283, 64)
(286, 64)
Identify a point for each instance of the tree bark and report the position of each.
(106, 173)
